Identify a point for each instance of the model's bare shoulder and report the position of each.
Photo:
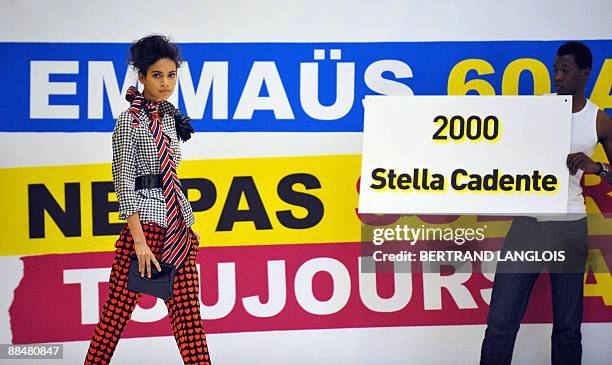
(604, 126)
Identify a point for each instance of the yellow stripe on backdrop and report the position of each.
(337, 176)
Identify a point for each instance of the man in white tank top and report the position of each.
(513, 282)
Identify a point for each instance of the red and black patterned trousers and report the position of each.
(183, 307)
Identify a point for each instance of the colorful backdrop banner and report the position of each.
(274, 87)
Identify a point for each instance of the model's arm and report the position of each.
(579, 160)
(604, 133)
(124, 168)
(124, 179)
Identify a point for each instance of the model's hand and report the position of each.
(579, 160)
(145, 257)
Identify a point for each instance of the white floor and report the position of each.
(453, 345)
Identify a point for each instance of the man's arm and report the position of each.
(581, 161)
(604, 133)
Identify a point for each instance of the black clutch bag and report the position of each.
(159, 285)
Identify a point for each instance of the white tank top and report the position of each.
(584, 139)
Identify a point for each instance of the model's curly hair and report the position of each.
(148, 50)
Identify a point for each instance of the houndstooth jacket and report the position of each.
(135, 154)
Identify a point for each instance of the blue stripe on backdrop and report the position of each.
(33, 90)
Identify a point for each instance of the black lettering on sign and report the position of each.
(256, 212)
(208, 193)
(378, 176)
(311, 203)
(474, 128)
(40, 200)
(101, 207)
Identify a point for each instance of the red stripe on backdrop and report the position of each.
(49, 308)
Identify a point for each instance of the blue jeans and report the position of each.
(512, 289)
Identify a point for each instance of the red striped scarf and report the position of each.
(176, 242)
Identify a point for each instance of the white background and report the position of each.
(296, 21)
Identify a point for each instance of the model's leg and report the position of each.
(567, 295)
(118, 307)
(509, 299)
(184, 311)
(511, 291)
(567, 282)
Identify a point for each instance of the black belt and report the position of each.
(148, 182)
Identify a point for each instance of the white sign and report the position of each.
(465, 154)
